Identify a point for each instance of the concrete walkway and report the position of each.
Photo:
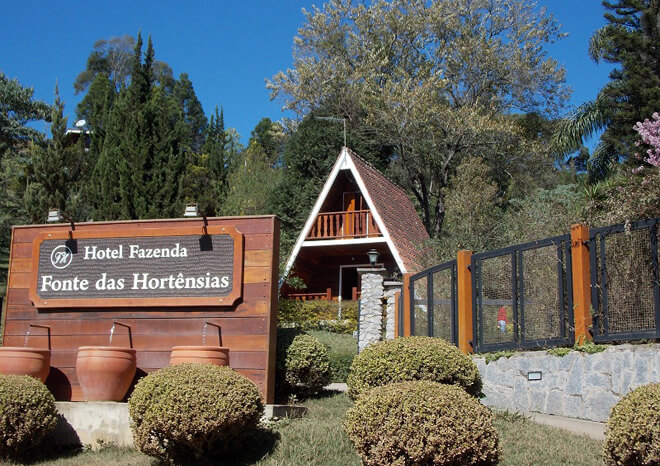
(591, 429)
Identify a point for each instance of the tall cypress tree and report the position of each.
(140, 166)
(193, 113)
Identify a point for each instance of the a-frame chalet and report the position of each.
(358, 210)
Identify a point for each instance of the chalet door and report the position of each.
(349, 283)
(352, 202)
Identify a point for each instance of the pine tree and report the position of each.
(631, 39)
(56, 176)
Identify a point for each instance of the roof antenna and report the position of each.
(335, 119)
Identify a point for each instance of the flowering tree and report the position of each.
(649, 130)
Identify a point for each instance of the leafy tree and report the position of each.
(17, 109)
(111, 57)
(270, 136)
(630, 40)
(114, 58)
(474, 211)
(56, 172)
(139, 169)
(433, 79)
(250, 184)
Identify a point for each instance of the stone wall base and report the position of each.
(578, 385)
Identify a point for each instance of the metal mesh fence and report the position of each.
(420, 307)
(624, 296)
(540, 309)
(497, 300)
(442, 304)
(523, 295)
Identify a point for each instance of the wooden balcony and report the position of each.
(344, 225)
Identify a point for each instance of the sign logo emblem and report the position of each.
(61, 257)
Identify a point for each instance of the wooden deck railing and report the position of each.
(327, 296)
(344, 225)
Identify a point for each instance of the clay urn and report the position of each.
(16, 360)
(218, 355)
(105, 373)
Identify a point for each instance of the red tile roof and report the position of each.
(397, 212)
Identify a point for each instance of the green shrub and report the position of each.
(27, 414)
(633, 429)
(318, 315)
(412, 358)
(190, 410)
(422, 422)
(307, 365)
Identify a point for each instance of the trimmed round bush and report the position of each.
(307, 365)
(412, 358)
(27, 414)
(633, 428)
(190, 410)
(422, 423)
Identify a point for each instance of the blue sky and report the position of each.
(227, 48)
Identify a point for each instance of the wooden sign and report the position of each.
(183, 266)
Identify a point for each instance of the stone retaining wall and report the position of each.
(577, 385)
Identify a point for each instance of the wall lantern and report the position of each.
(191, 211)
(373, 257)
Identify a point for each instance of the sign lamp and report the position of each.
(56, 216)
(373, 257)
(191, 211)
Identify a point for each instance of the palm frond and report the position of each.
(571, 132)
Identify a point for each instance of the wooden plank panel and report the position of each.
(21, 250)
(257, 242)
(156, 326)
(245, 225)
(140, 342)
(258, 258)
(28, 312)
(22, 264)
(256, 275)
(19, 279)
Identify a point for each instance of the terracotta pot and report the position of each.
(105, 372)
(25, 361)
(217, 355)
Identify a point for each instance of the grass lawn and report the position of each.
(319, 439)
(341, 351)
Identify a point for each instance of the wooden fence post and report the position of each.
(464, 298)
(397, 303)
(581, 282)
(405, 295)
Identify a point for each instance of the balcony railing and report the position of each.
(344, 225)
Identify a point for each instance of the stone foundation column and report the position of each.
(391, 289)
(371, 306)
